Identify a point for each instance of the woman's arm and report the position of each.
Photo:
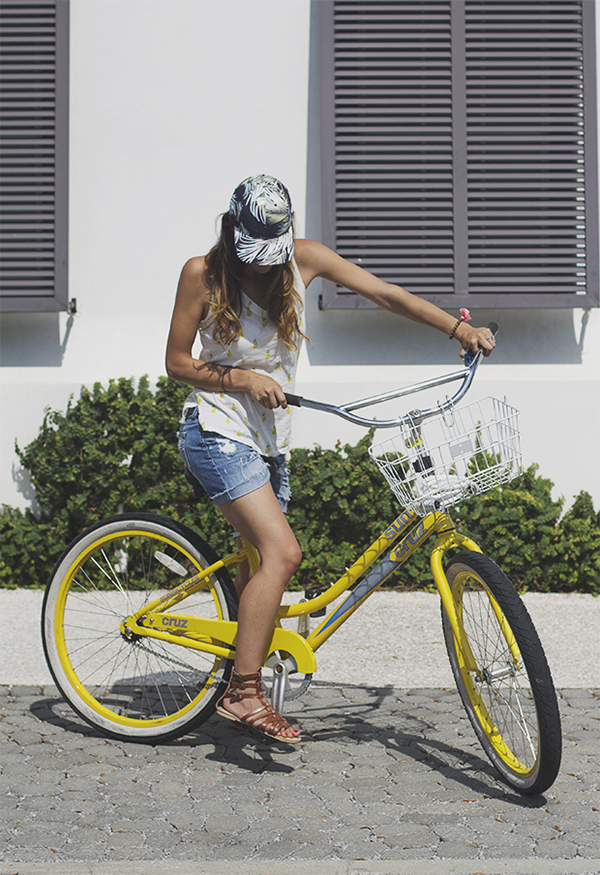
(315, 260)
(191, 303)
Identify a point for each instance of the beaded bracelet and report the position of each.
(465, 316)
(453, 332)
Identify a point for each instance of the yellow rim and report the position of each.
(61, 646)
(484, 718)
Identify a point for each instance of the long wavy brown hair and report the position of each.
(223, 273)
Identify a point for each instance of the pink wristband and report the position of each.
(465, 316)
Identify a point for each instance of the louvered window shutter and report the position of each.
(34, 161)
(459, 149)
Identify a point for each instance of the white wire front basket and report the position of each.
(453, 455)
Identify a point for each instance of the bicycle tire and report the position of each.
(510, 700)
(133, 687)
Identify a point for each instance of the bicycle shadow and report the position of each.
(223, 737)
(386, 719)
(56, 711)
(411, 735)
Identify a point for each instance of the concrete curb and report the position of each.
(323, 867)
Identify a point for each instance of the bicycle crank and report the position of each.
(284, 688)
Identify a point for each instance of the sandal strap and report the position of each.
(273, 722)
(264, 718)
(245, 686)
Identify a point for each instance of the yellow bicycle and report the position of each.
(139, 615)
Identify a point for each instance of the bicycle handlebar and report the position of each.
(467, 375)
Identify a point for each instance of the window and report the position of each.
(34, 159)
(459, 149)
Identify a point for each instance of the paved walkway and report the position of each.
(390, 780)
(384, 775)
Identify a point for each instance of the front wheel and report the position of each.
(133, 686)
(509, 696)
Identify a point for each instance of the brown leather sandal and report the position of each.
(264, 719)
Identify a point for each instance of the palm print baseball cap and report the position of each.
(262, 213)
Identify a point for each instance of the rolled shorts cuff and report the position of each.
(227, 469)
(256, 475)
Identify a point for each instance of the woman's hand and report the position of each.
(475, 339)
(265, 391)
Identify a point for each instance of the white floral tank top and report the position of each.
(258, 348)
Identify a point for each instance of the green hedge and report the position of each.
(116, 450)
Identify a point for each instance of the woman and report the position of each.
(246, 299)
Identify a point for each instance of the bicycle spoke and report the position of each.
(110, 578)
(110, 636)
(131, 684)
(89, 595)
(508, 701)
(111, 663)
(520, 723)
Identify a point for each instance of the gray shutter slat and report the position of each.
(33, 229)
(461, 153)
(494, 128)
(392, 160)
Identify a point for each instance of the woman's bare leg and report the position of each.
(243, 573)
(258, 517)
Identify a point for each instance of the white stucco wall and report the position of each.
(172, 103)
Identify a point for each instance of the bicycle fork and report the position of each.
(449, 538)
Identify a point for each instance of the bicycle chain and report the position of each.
(175, 661)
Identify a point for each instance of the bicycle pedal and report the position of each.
(312, 592)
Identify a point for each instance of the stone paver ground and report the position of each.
(384, 774)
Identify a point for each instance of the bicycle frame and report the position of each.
(218, 636)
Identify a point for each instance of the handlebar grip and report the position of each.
(468, 359)
(293, 400)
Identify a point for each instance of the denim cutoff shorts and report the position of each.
(226, 469)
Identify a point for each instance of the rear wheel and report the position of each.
(132, 686)
(510, 697)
